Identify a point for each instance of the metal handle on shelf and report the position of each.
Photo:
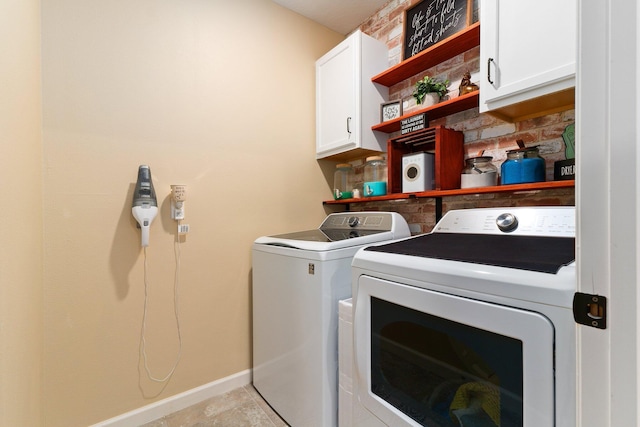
(489, 61)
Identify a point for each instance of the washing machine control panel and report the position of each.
(373, 221)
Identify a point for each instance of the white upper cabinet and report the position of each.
(347, 102)
(527, 52)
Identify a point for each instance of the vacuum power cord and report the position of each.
(176, 313)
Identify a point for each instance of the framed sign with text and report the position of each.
(390, 110)
(432, 21)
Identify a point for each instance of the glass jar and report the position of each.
(343, 181)
(479, 172)
(523, 165)
(375, 176)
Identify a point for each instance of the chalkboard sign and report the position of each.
(431, 21)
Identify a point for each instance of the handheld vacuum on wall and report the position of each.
(145, 206)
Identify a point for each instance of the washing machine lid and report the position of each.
(344, 229)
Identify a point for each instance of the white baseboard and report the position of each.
(180, 401)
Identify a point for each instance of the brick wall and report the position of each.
(482, 132)
(421, 211)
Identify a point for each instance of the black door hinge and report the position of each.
(590, 310)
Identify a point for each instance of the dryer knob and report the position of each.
(507, 222)
(353, 221)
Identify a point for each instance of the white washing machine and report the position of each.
(298, 279)
(470, 325)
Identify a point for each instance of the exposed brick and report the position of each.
(458, 72)
(479, 121)
(569, 116)
(389, 9)
(554, 131)
(500, 130)
(551, 146)
(470, 136)
(482, 132)
(377, 28)
(472, 54)
(396, 31)
(539, 122)
(509, 142)
(473, 149)
(445, 66)
(459, 121)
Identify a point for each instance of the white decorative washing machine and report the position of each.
(470, 325)
(418, 172)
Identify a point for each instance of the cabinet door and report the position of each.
(527, 50)
(336, 99)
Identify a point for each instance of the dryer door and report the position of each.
(434, 359)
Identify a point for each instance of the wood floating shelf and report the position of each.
(434, 55)
(448, 156)
(441, 109)
(385, 198)
(512, 188)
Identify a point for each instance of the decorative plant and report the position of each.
(430, 85)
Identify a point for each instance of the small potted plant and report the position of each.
(430, 90)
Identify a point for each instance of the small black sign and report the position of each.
(432, 21)
(564, 170)
(414, 123)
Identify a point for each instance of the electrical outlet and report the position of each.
(177, 213)
(178, 197)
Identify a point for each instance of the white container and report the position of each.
(418, 172)
(479, 172)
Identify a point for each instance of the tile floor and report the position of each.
(238, 408)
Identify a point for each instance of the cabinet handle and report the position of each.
(489, 61)
(349, 125)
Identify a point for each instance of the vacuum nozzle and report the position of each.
(145, 205)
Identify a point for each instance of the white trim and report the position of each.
(607, 203)
(180, 401)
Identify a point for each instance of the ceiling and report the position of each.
(342, 16)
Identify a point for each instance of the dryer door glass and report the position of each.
(444, 373)
(427, 358)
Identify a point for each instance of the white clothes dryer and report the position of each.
(469, 325)
(298, 279)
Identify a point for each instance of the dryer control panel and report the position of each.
(522, 221)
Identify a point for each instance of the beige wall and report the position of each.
(21, 217)
(214, 94)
